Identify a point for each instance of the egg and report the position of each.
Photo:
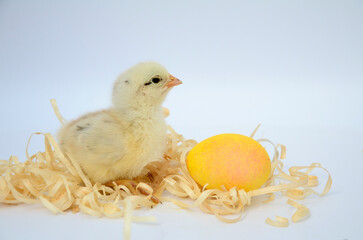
(232, 160)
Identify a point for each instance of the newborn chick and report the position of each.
(119, 142)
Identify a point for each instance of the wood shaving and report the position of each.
(58, 182)
(301, 213)
(279, 222)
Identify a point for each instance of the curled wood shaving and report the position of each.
(58, 182)
(301, 213)
(279, 222)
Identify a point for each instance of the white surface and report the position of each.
(295, 67)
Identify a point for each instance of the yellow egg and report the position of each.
(229, 160)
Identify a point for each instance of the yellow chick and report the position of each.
(119, 142)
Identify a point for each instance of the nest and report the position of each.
(58, 182)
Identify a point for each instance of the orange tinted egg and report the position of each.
(229, 160)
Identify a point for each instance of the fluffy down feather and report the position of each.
(119, 142)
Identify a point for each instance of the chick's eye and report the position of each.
(156, 80)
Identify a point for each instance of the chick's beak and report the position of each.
(173, 81)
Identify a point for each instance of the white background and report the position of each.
(293, 66)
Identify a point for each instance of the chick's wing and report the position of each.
(96, 137)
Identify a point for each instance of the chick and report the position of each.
(119, 142)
